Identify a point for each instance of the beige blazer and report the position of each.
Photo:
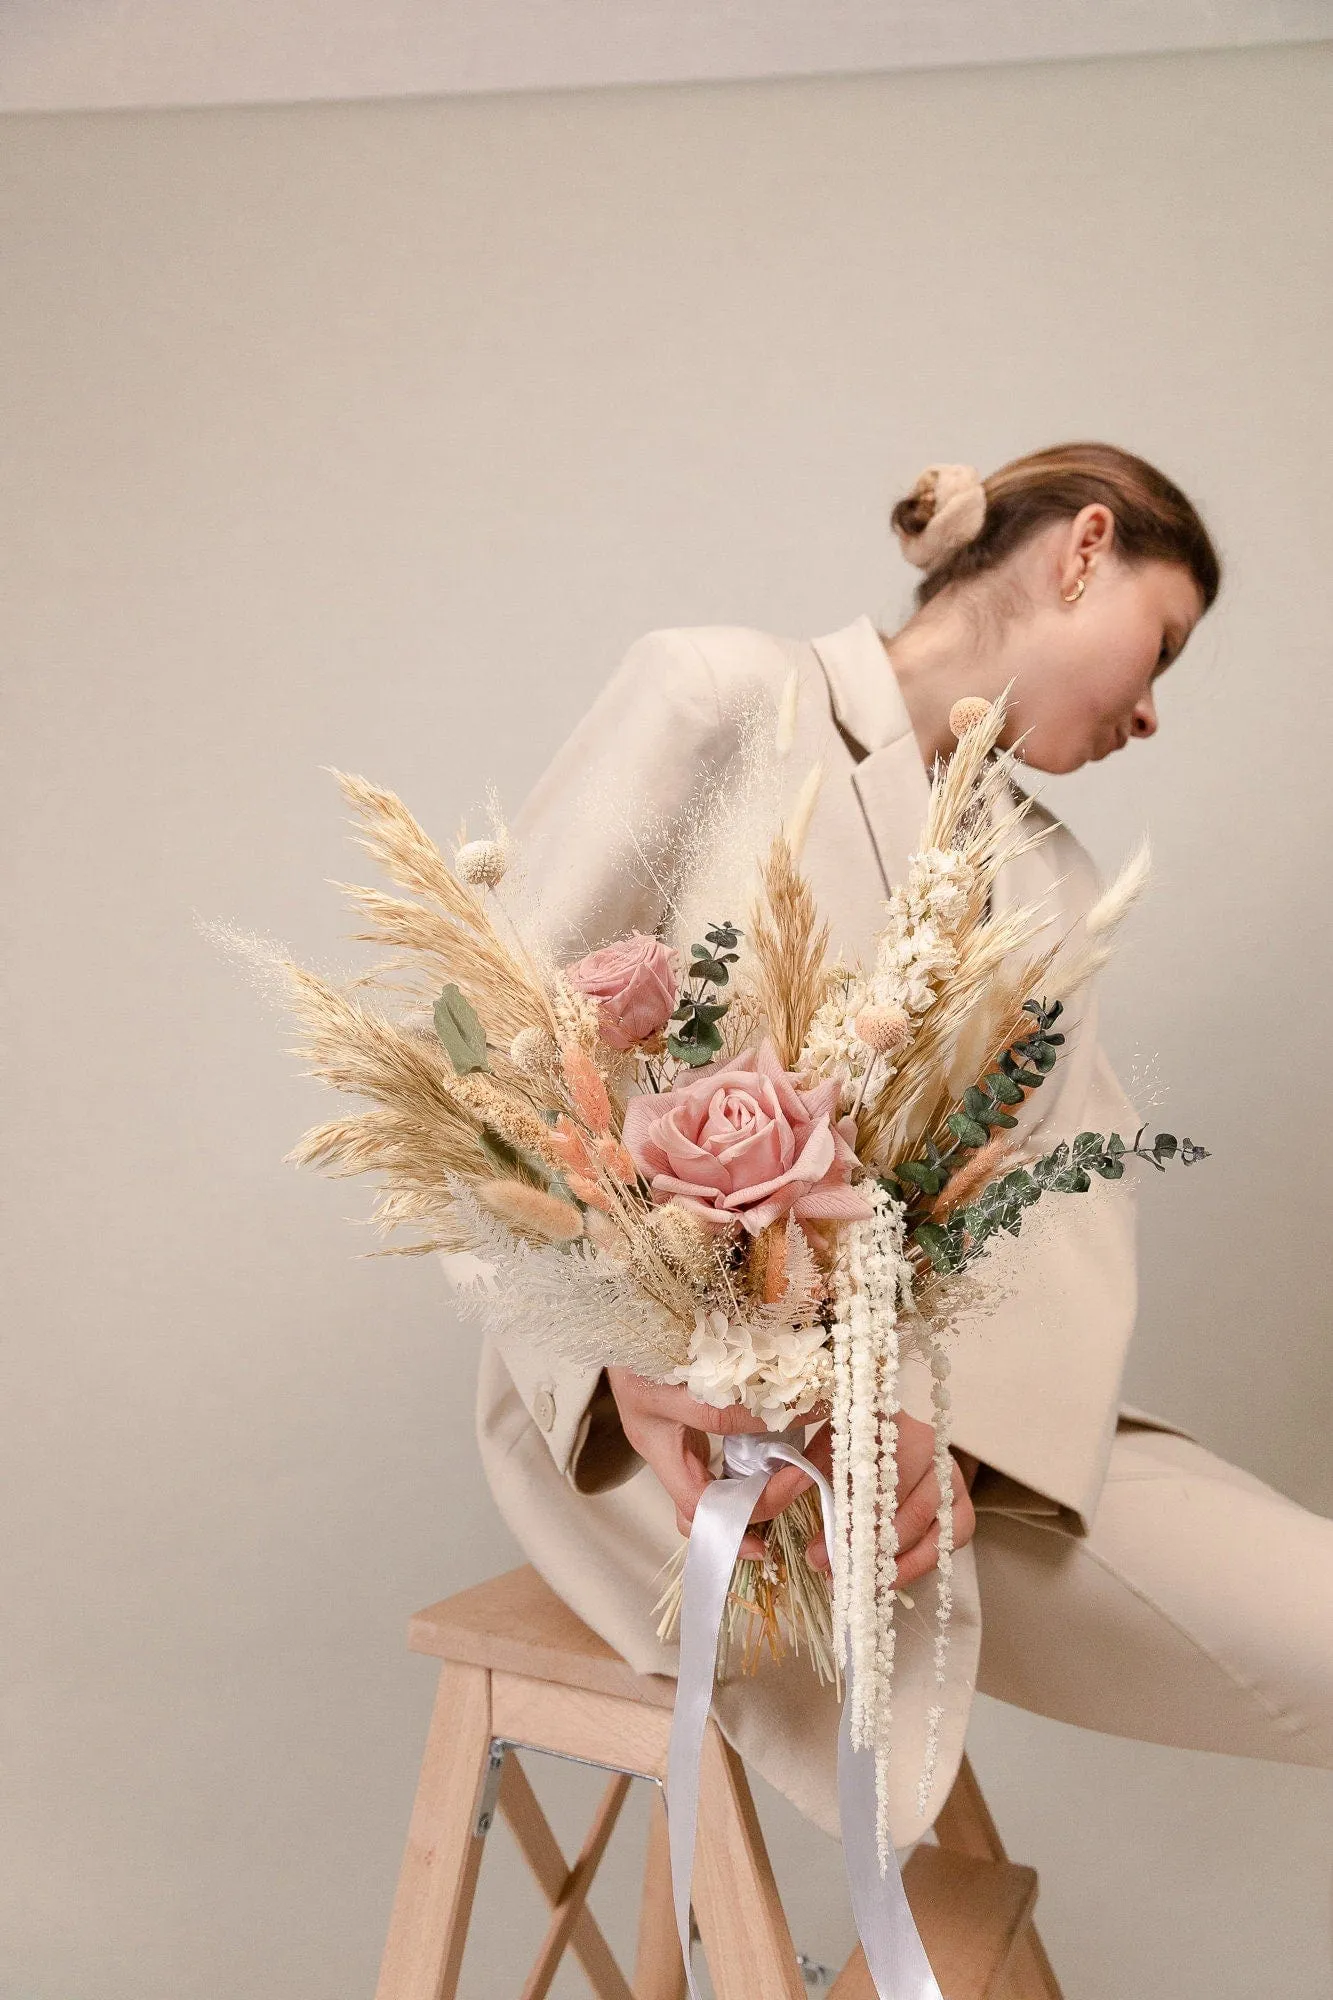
(1035, 1387)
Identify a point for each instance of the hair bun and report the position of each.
(943, 511)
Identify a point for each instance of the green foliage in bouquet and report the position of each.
(460, 1031)
(1024, 1066)
(1068, 1169)
(953, 1243)
(698, 1039)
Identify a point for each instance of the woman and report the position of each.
(1107, 1564)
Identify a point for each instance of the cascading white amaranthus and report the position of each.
(944, 1471)
(873, 1280)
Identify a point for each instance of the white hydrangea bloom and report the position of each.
(778, 1372)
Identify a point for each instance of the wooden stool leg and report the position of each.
(659, 1971)
(1030, 1975)
(569, 1905)
(537, 1844)
(965, 1826)
(433, 1902)
(741, 1921)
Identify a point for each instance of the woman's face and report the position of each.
(1084, 673)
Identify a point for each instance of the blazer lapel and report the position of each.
(890, 780)
(1055, 878)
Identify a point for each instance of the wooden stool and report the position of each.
(520, 1671)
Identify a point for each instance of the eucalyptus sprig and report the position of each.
(1024, 1066)
(698, 1038)
(1068, 1169)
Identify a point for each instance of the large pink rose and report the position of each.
(747, 1142)
(635, 982)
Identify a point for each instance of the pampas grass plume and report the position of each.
(617, 1159)
(589, 1192)
(798, 823)
(570, 1147)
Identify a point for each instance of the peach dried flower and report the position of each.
(883, 1029)
(972, 712)
(586, 1089)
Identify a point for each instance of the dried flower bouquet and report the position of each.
(727, 1160)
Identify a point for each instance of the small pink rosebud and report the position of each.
(635, 982)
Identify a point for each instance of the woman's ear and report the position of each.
(1093, 531)
(1089, 536)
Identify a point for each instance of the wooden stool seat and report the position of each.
(518, 1671)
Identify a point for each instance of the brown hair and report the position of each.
(1154, 521)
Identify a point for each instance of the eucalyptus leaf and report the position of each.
(938, 1245)
(460, 1031)
(711, 1010)
(689, 1052)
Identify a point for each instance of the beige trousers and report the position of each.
(1197, 1611)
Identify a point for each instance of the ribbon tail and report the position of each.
(895, 1955)
(720, 1521)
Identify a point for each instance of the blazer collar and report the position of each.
(889, 779)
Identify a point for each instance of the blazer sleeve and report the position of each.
(594, 844)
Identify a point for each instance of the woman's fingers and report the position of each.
(780, 1491)
(917, 1511)
(922, 1556)
(914, 1517)
(917, 1523)
(675, 1404)
(680, 1460)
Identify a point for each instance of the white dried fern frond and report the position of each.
(587, 1306)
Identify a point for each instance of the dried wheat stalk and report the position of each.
(787, 945)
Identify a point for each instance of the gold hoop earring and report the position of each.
(1078, 592)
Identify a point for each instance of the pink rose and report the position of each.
(635, 982)
(746, 1141)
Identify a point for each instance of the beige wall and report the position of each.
(369, 436)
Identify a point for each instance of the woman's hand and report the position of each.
(918, 1502)
(670, 1429)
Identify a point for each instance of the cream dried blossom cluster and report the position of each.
(778, 1372)
(916, 957)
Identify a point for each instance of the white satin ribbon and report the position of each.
(894, 1951)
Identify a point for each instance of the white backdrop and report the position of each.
(370, 436)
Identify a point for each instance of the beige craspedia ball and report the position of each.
(883, 1029)
(533, 1053)
(481, 864)
(972, 712)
